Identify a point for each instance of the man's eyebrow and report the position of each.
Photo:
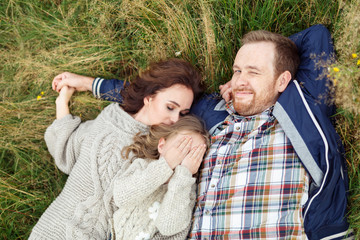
(252, 67)
(247, 66)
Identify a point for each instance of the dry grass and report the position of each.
(110, 38)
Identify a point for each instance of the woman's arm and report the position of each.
(140, 180)
(62, 137)
(62, 102)
(177, 206)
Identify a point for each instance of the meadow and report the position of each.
(116, 39)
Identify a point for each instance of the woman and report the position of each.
(90, 152)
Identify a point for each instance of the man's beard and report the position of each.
(255, 105)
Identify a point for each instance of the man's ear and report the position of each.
(283, 81)
(161, 145)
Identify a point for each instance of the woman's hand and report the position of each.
(194, 158)
(62, 101)
(78, 82)
(177, 152)
(65, 95)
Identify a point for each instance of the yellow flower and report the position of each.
(354, 55)
(38, 98)
(336, 69)
(42, 93)
(358, 62)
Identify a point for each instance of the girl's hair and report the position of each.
(159, 76)
(146, 146)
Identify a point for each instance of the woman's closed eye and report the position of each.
(185, 112)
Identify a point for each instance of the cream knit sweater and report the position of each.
(90, 153)
(147, 205)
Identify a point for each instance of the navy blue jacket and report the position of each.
(305, 115)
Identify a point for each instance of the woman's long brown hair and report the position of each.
(159, 76)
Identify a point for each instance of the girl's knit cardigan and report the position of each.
(147, 205)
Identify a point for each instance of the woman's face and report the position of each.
(166, 106)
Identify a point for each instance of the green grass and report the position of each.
(108, 38)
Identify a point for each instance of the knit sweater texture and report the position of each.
(90, 153)
(152, 198)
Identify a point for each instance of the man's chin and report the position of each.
(243, 109)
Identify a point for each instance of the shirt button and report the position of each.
(212, 185)
(237, 128)
(207, 212)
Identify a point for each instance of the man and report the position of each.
(275, 169)
(252, 184)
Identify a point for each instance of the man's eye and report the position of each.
(254, 73)
(170, 108)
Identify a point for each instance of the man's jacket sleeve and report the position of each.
(108, 89)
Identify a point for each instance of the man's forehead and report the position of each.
(254, 54)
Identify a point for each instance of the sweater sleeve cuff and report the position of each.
(66, 122)
(96, 87)
(183, 176)
(164, 166)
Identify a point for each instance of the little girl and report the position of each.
(151, 197)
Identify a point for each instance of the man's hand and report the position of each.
(177, 152)
(194, 158)
(78, 82)
(225, 91)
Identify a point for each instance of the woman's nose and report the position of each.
(174, 118)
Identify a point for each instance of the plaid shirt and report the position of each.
(252, 184)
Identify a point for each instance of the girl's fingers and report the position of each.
(185, 143)
(199, 153)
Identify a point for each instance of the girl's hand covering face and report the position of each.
(177, 151)
(194, 158)
(186, 148)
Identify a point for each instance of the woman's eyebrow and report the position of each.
(173, 102)
(178, 105)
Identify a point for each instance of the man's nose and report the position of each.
(240, 80)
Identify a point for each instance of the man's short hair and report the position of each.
(286, 53)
